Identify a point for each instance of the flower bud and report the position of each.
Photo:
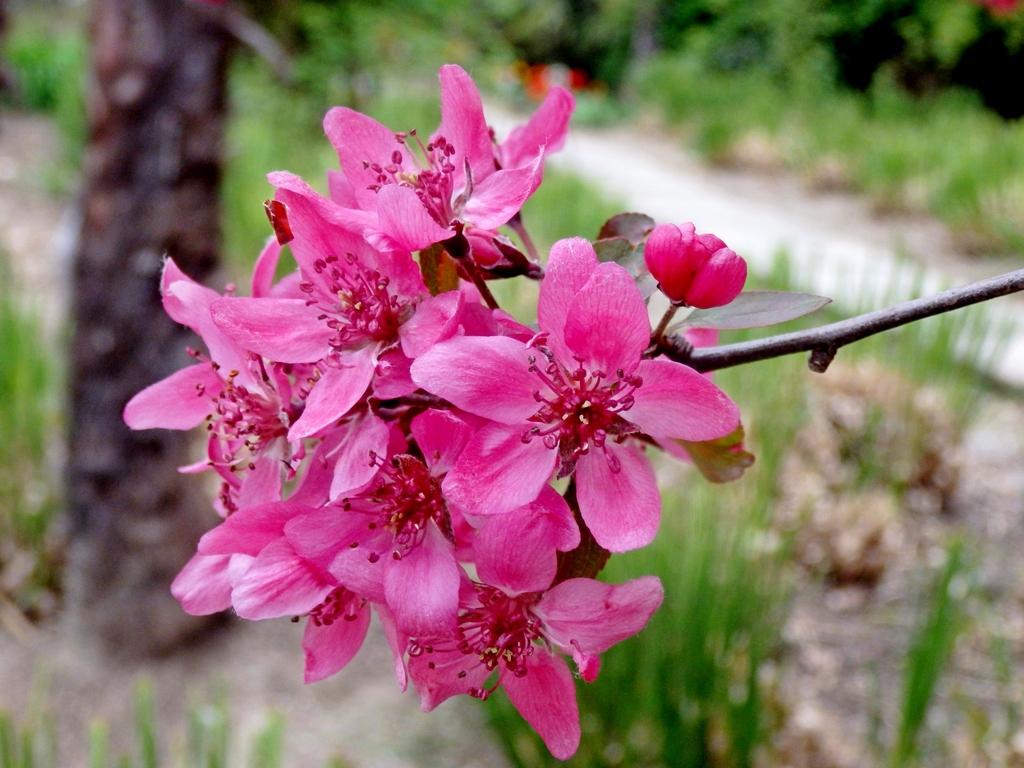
(698, 270)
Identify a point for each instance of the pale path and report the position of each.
(836, 245)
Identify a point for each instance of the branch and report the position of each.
(250, 34)
(824, 342)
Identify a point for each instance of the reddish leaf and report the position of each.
(722, 460)
(278, 216)
(757, 309)
(438, 270)
(634, 227)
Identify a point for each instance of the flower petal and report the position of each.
(422, 587)
(361, 437)
(676, 401)
(251, 529)
(335, 393)
(544, 132)
(546, 698)
(590, 616)
(403, 221)
(282, 330)
(570, 266)
(463, 124)
(607, 324)
(181, 401)
(493, 378)
(266, 267)
(279, 583)
(718, 281)
(329, 647)
(360, 139)
(498, 472)
(441, 436)
(623, 508)
(501, 195)
(436, 319)
(203, 586)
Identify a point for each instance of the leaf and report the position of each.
(613, 249)
(633, 227)
(722, 460)
(589, 558)
(438, 270)
(757, 309)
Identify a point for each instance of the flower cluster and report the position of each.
(389, 440)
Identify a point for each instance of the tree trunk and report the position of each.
(152, 177)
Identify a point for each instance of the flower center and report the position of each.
(581, 408)
(433, 180)
(356, 301)
(340, 605)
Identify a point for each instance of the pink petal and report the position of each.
(315, 219)
(340, 190)
(203, 586)
(403, 221)
(358, 139)
(265, 269)
(463, 124)
(422, 588)
(498, 472)
(393, 376)
(197, 301)
(251, 529)
(546, 698)
(501, 195)
(544, 132)
(441, 436)
(673, 255)
(330, 647)
(607, 324)
(676, 401)
(279, 583)
(590, 616)
(436, 319)
(181, 401)
(397, 643)
(436, 676)
(282, 330)
(362, 436)
(361, 569)
(622, 509)
(335, 393)
(262, 485)
(517, 551)
(493, 378)
(718, 281)
(570, 266)
(321, 534)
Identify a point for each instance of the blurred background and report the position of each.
(855, 598)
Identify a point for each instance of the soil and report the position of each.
(844, 640)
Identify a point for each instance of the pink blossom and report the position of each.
(570, 399)
(698, 270)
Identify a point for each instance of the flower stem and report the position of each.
(517, 226)
(659, 332)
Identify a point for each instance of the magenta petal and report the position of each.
(546, 698)
(623, 508)
(249, 530)
(570, 266)
(330, 647)
(719, 281)
(436, 319)
(607, 324)
(360, 139)
(499, 197)
(676, 401)
(336, 391)
(203, 586)
(393, 375)
(279, 583)
(406, 223)
(361, 568)
(340, 190)
(266, 267)
(282, 330)
(544, 132)
(362, 437)
(396, 642)
(463, 124)
(436, 676)
(517, 551)
(441, 436)
(588, 616)
(262, 484)
(181, 401)
(422, 587)
(319, 535)
(498, 472)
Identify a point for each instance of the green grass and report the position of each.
(30, 430)
(944, 154)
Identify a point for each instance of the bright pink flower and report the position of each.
(518, 633)
(698, 270)
(570, 399)
(365, 312)
(246, 401)
(463, 187)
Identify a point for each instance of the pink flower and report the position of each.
(570, 399)
(519, 633)
(463, 188)
(698, 270)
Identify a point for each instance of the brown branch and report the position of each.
(824, 342)
(234, 21)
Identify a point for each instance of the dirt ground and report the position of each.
(840, 640)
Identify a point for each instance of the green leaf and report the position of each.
(757, 309)
(616, 249)
(634, 227)
(722, 460)
(438, 270)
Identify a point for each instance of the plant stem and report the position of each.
(659, 332)
(824, 342)
(517, 226)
